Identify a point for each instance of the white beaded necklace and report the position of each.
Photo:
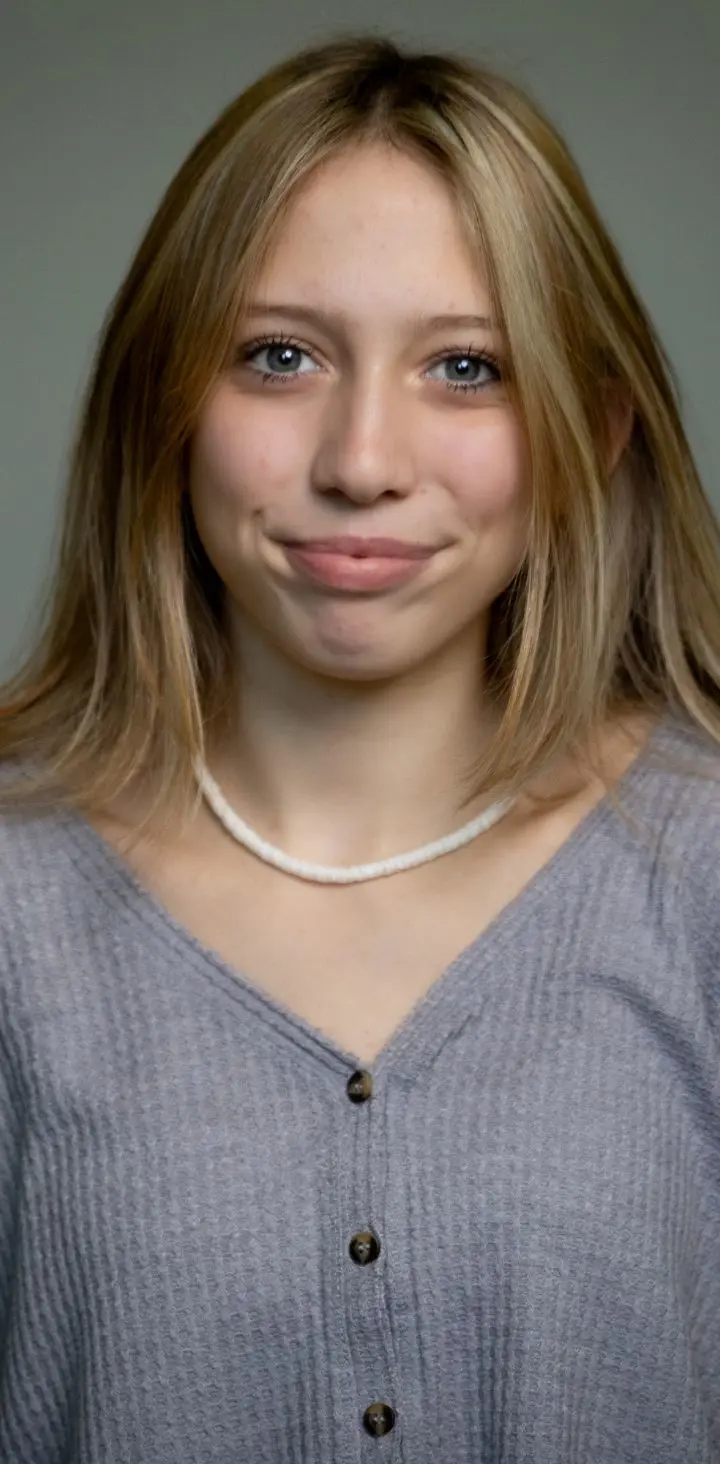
(333, 874)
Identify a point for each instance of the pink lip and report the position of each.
(365, 548)
(343, 570)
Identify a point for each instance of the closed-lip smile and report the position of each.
(349, 562)
(364, 548)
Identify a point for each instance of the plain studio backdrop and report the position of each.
(101, 101)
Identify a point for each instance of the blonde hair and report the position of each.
(617, 603)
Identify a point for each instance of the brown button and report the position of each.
(359, 1087)
(364, 1248)
(379, 1419)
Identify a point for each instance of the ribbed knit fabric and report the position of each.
(182, 1171)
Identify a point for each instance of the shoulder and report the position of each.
(41, 890)
(28, 835)
(680, 776)
(677, 795)
(62, 926)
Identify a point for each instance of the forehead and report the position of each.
(375, 220)
(378, 171)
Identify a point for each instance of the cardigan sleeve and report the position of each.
(12, 1123)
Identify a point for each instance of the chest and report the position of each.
(353, 962)
(532, 1177)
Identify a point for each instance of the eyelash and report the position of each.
(485, 358)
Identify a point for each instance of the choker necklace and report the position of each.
(340, 874)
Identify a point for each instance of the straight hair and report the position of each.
(616, 606)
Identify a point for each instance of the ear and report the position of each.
(620, 419)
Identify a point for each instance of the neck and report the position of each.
(340, 772)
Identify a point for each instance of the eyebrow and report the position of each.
(337, 317)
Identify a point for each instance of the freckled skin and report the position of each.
(364, 433)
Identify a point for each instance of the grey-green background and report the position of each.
(100, 102)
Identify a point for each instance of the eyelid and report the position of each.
(483, 353)
(278, 338)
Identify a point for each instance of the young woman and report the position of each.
(360, 932)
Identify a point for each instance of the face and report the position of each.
(351, 415)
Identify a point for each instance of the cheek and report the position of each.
(489, 471)
(239, 459)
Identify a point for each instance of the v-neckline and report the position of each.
(404, 1049)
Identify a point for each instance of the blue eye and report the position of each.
(477, 369)
(280, 352)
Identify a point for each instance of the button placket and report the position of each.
(364, 1248)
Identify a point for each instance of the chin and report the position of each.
(351, 641)
(366, 663)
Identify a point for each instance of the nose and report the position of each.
(364, 450)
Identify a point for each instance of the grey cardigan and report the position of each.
(220, 1243)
